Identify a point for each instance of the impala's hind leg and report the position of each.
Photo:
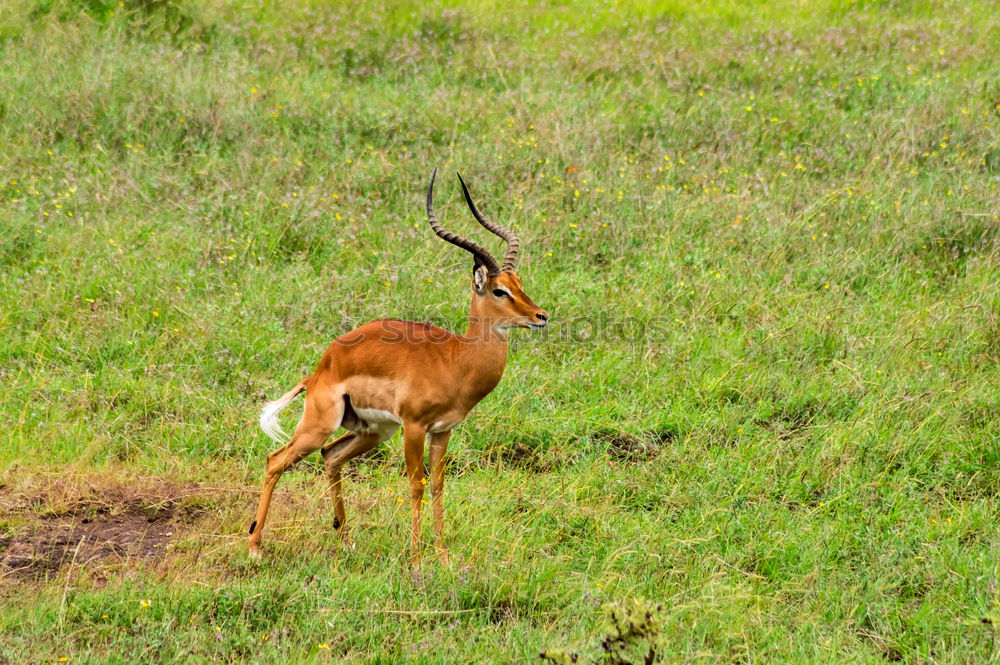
(335, 455)
(310, 435)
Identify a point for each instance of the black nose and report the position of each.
(542, 317)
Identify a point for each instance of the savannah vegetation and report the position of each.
(766, 409)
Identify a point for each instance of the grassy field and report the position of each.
(768, 403)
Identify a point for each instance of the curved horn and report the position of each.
(482, 256)
(513, 242)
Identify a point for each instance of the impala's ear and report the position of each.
(479, 278)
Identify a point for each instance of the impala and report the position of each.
(391, 373)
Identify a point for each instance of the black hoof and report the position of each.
(336, 522)
(253, 525)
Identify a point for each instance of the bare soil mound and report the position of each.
(96, 526)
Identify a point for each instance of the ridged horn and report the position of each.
(482, 256)
(513, 242)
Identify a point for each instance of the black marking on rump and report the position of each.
(253, 525)
(336, 522)
(351, 420)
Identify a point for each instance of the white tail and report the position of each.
(269, 416)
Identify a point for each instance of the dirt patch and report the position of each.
(521, 456)
(97, 527)
(625, 447)
(39, 552)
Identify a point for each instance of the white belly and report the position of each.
(379, 422)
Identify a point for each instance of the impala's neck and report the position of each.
(484, 348)
(483, 329)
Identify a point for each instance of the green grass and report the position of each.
(769, 399)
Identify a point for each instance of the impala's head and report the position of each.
(497, 290)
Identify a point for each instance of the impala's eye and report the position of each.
(500, 294)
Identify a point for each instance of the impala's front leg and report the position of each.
(413, 444)
(439, 446)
